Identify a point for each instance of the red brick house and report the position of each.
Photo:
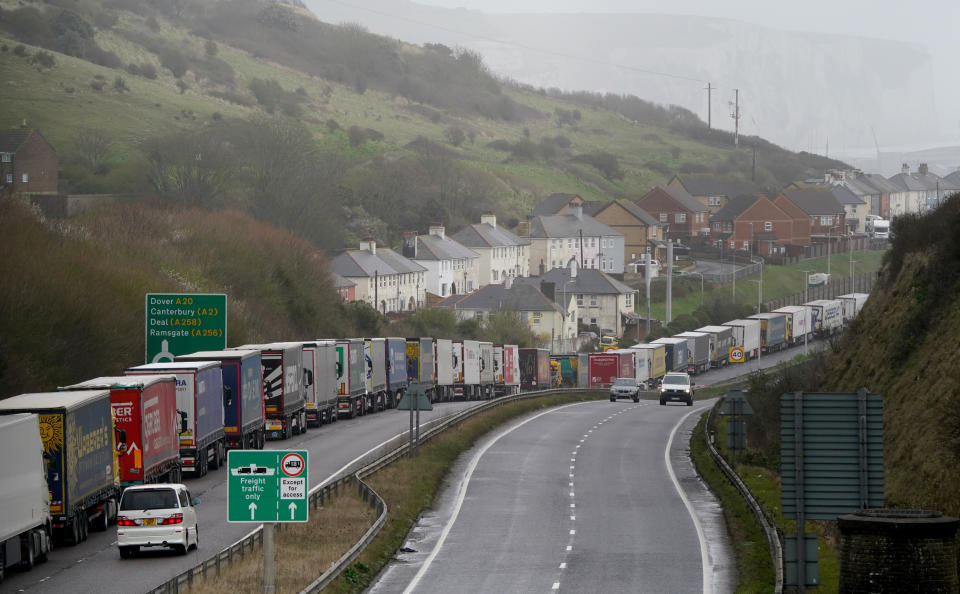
(681, 215)
(28, 164)
(801, 222)
(821, 208)
(753, 224)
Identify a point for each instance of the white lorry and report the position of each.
(746, 334)
(25, 526)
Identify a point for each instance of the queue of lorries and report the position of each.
(67, 455)
(710, 346)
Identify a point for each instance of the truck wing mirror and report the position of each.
(183, 421)
(307, 378)
(227, 396)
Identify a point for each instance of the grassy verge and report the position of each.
(303, 551)
(754, 567)
(409, 485)
(764, 484)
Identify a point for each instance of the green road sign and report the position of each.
(267, 486)
(180, 324)
(415, 398)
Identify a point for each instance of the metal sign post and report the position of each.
(415, 399)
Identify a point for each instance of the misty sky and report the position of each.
(929, 23)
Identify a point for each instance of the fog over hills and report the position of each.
(806, 91)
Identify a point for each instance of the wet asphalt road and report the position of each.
(580, 498)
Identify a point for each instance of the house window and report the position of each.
(663, 217)
(826, 220)
(9, 178)
(593, 300)
(569, 243)
(7, 157)
(716, 226)
(593, 321)
(746, 245)
(494, 276)
(680, 217)
(24, 178)
(767, 226)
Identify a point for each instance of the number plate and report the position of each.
(149, 521)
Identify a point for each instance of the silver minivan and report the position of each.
(157, 515)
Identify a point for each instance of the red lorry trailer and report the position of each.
(604, 367)
(145, 413)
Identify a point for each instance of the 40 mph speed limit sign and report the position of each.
(737, 355)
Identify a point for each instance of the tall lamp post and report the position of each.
(829, 246)
(806, 285)
(759, 296)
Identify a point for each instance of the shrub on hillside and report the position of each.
(44, 58)
(173, 60)
(606, 163)
(232, 97)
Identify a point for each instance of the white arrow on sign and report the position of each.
(293, 509)
(253, 509)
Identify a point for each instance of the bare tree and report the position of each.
(93, 146)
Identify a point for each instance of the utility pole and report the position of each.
(709, 103)
(736, 118)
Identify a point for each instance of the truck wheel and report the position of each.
(613, 399)
(84, 526)
(28, 560)
(636, 398)
(215, 462)
(662, 402)
(690, 401)
(103, 522)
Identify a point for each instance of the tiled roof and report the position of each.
(713, 185)
(552, 204)
(519, 297)
(628, 206)
(907, 182)
(484, 235)
(814, 202)
(569, 226)
(433, 247)
(589, 281)
(361, 263)
(879, 182)
(845, 195)
(686, 199)
(733, 208)
(10, 140)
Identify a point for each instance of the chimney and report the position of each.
(437, 230)
(543, 267)
(576, 209)
(523, 229)
(549, 289)
(409, 247)
(488, 219)
(904, 168)
(369, 244)
(923, 169)
(573, 268)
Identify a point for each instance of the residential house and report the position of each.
(855, 208)
(383, 278)
(547, 320)
(712, 191)
(800, 224)
(754, 224)
(887, 193)
(502, 253)
(452, 268)
(682, 215)
(601, 300)
(28, 164)
(937, 187)
(556, 239)
(641, 231)
(953, 178)
(913, 196)
(346, 289)
(826, 215)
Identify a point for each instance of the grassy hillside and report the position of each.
(905, 347)
(424, 132)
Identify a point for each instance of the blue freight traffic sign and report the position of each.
(266, 486)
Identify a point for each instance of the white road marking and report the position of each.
(563, 566)
(572, 532)
(463, 494)
(573, 518)
(573, 505)
(569, 547)
(704, 558)
(571, 493)
(556, 585)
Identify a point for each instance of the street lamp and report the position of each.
(806, 285)
(829, 244)
(759, 295)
